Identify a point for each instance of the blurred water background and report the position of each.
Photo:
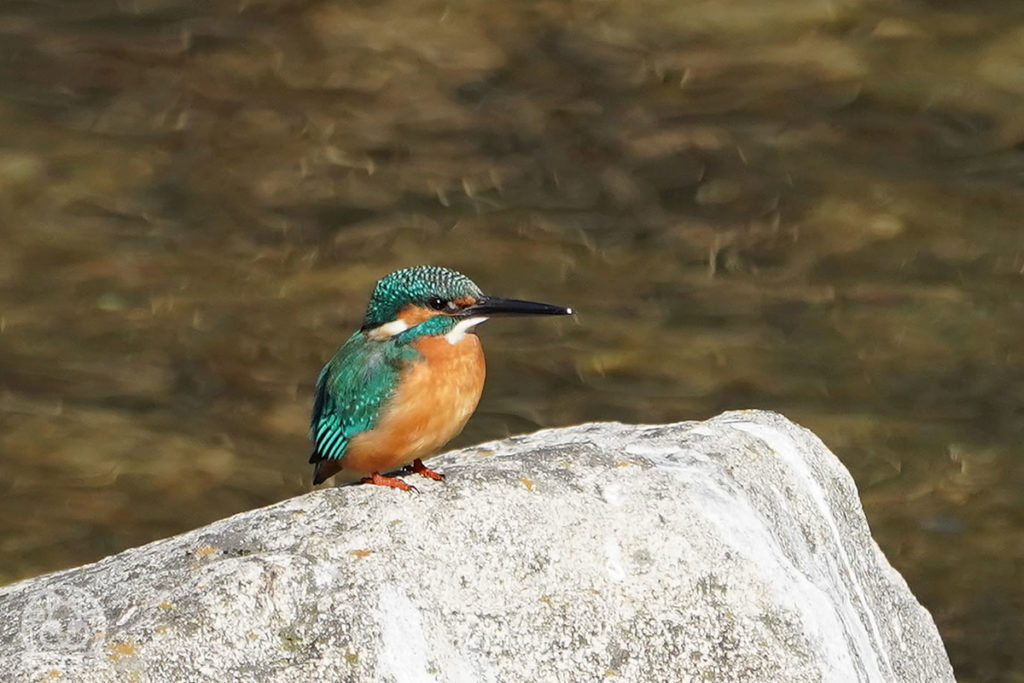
(808, 206)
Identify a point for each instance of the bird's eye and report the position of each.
(437, 303)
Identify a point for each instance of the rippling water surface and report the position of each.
(812, 207)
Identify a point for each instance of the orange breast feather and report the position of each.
(432, 404)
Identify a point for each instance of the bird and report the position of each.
(407, 381)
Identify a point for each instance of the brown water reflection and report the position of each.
(812, 207)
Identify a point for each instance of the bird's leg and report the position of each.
(393, 482)
(418, 467)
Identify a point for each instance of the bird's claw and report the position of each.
(392, 482)
(418, 467)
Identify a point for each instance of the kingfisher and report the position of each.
(408, 380)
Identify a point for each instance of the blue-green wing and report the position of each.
(330, 437)
(350, 393)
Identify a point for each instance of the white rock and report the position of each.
(730, 550)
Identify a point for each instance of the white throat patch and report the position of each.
(459, 331)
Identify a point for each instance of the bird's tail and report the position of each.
(323, 469)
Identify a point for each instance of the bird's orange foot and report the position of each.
(418, 467)
(392, 482)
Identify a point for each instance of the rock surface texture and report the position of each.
(729, 550)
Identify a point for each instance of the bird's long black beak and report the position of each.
(490, 306)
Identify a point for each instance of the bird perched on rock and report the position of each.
(405, 383)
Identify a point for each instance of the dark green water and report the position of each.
(812, 207)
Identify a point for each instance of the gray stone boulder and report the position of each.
(729, 550)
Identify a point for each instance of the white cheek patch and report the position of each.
(388, 329)
(459, 331)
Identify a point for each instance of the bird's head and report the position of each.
(438, 301)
